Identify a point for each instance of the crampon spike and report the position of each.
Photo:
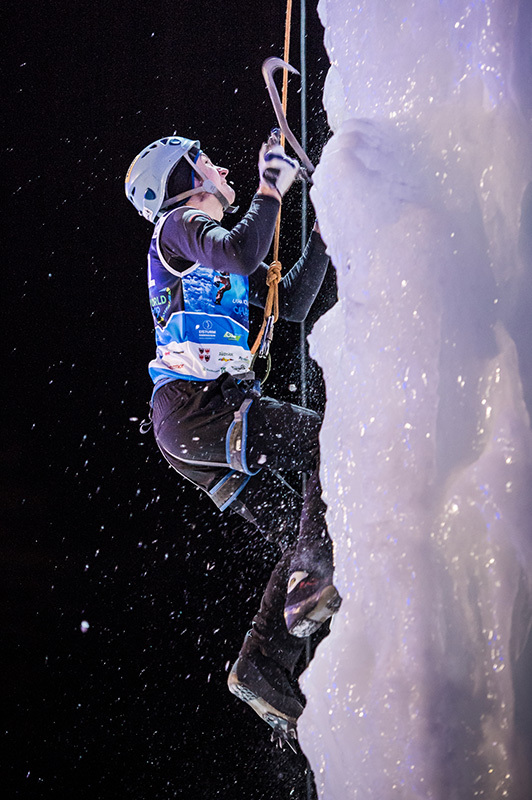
(283, 732)
(280, 738)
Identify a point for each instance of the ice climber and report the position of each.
(210, 422)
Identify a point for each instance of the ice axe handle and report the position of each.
(274, 138)
(304, 176)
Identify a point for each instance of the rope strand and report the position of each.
(284, 103)
(274, 271)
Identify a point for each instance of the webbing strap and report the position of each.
(236, 439)
(228, 489)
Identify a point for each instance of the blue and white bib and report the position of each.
(201, 319)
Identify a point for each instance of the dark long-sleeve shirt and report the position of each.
(189, 236)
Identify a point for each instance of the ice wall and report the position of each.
(423, 202)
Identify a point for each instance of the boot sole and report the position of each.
(283, 724)
(326, 604)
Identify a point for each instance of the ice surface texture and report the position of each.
(423, 197)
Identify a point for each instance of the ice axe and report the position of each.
(268, 68)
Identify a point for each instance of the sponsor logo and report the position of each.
(225, 359)
(234, 337)
(162, 352)
(207, 329)
(204, 353)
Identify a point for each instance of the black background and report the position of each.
(95, 526)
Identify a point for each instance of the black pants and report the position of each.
(192, 424)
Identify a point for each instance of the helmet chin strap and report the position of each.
(206, 186)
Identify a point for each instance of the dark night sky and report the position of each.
(95, 526)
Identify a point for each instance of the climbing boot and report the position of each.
(265, 686)
(310, 600)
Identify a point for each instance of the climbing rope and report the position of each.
(261, 346)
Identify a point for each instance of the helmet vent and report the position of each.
(147, 178)
(151, 147)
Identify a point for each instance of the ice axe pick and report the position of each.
(268, 68)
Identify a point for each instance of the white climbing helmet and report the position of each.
(146, 182)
